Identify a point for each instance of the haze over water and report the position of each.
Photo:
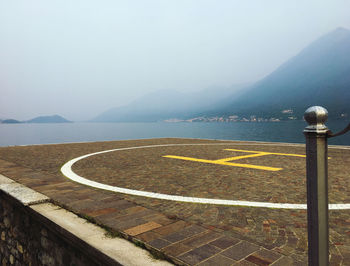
(290, 131)
(81, 58)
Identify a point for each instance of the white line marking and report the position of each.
(68, 172)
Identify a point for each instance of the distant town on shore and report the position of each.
(236, 118)
(286, 115)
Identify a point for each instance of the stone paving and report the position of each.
(190, 233)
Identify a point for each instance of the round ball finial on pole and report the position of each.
(316, 116)
(316, 134)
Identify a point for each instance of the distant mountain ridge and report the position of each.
(39, 119)
(318, 75)
(164, 104)
(10, 121)
(49, 119)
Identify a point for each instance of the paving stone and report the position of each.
(225, 242)
(298, 259)
(6, 164)
(148, 236)
(162, 220)
(136, 230)
(335, 259)
(285, 250)
(198, 255)
(176, 249)
(218, 260)
(178, 236)
(184, 233)
(257, 260)
(100, 212)
(104, 197)
(124, 221)
(201, 239)
(116, 203)
(265, 255)
(120, 204)
(79, 204)
(160, 243)
(171, 228)
(49, 187)
(158, 218)
(292, 241)
(125, 224)
(132, 210)
(240, 250)
(283, 261)
(246, 263)
(140, 213)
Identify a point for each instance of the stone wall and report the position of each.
(27, 238)
(35, 231)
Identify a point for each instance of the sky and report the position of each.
(80, 58)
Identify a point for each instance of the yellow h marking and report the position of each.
(267, 153)
(225, 161)
(241, 157)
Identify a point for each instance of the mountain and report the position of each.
(318, 75)
(10, 121)
(151, 107)
(48, 119)
(164, 104)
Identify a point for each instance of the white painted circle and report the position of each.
(68, 172)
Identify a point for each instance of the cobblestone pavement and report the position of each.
(189, 233)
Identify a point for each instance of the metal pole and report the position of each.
(317, 185)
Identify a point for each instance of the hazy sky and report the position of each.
(80, 58)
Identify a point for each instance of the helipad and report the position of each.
(196, 201)
(67, 171)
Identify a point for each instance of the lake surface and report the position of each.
(288, 131)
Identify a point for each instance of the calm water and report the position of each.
(291, 131)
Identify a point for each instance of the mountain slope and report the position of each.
(318, 75)
(164, 104)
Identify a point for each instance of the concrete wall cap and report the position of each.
(23, 194)
(5, 180)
